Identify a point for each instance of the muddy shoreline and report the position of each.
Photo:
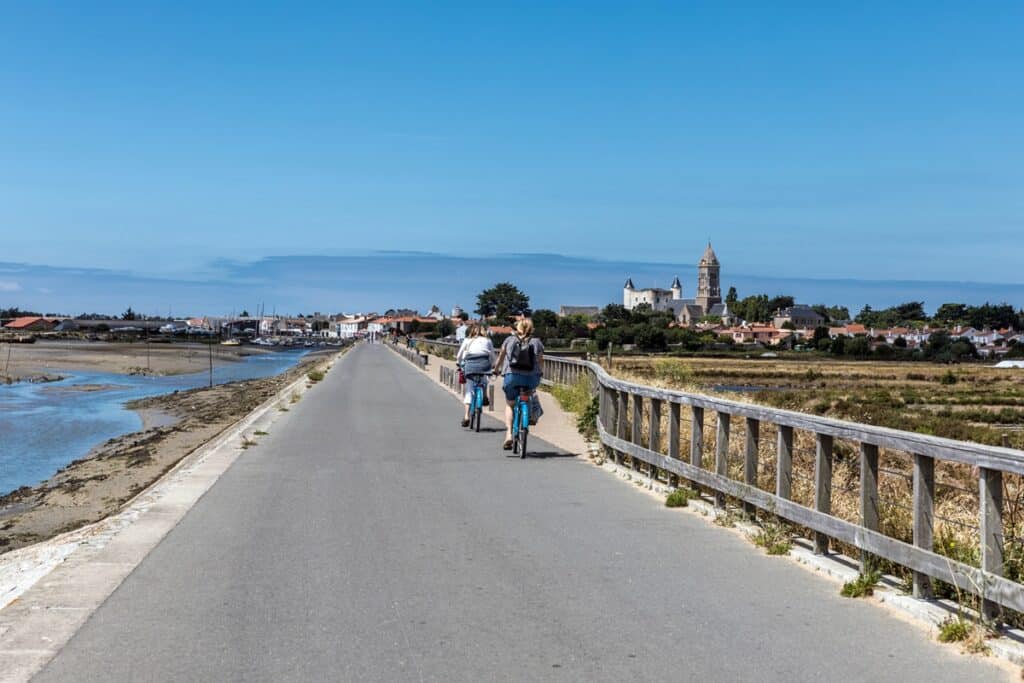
(174, 425)
(45, 361)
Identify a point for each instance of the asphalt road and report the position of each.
(369, 538)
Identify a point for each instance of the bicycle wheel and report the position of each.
(478, 409)
(515, 429)
(523, 433)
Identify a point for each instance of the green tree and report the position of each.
(445, 328)
(649, 338)
(129, 314)
(504, 300)
(545, 322)
(244, 313)
(950, 314)
(731, 297)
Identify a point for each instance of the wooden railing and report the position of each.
(412, 355)
(626, 407)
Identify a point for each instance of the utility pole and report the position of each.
(210, 350)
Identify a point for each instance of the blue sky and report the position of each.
(869, 141)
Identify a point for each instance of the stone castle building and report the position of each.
(708, 300)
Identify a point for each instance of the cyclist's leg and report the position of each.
(510, 401)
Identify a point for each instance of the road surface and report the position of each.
(369, 538)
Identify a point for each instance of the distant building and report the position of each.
(31, 324)
(589, 311)
(799, 316)
(707, 302)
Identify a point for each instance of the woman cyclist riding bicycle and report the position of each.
(521, 361)
(476, 358)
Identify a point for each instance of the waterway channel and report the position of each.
(43, 427)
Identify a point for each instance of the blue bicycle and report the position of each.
(521, 421)
(476, 403)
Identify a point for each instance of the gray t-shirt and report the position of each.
(506, 346)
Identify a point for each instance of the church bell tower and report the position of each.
(709, 289)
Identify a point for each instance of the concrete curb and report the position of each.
(926, 614)
(48, 590)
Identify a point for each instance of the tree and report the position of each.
(128, 315)
(649, 338)
(502, 301)
(950, 314)
(615, 313)
(820, 332)
(244, 313)
(779, 302)
(445, 328)
(731, 297)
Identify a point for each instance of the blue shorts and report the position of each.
(513, 382)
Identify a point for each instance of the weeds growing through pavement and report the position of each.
(247, 442)
(295, 397)
(315, 375)
(774, 537)
(679, 498)
(260, 432)
(862, 586)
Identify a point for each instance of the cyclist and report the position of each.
(520, 360)
(476, 358)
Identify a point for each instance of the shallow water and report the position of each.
(43, 427)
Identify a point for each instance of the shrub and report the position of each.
(948, 379)
(315, 375)
(679, 498)
(954, 629)
(862, 586)
(774, 538)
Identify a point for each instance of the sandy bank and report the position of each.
(92, 488)
(49, 358)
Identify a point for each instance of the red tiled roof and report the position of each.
(26, 321)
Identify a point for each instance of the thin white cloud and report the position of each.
(9, 286)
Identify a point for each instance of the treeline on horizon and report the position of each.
(650, 330)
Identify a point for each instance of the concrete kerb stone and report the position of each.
(49, 589)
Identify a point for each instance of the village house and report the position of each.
(32, 324)
(798, 316)
(588, 311)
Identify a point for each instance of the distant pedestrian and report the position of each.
(461, 331)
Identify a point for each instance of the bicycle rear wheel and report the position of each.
(523, 433)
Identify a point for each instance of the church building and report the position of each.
(707, 302)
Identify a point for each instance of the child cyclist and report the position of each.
(476, 358)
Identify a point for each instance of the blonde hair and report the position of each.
(475, 330)
(524, 328)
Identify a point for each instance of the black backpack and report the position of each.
(522, 357)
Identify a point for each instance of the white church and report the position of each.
(707, 302)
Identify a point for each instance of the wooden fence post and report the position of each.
(673, 439)
(784, 463)
(637, 426)
(654, 437)
(868, 496)
(620, 431)
(924, 517)
(696, 440)
(753, 433)
(722, 454)
(990, 498)
(822, 486)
